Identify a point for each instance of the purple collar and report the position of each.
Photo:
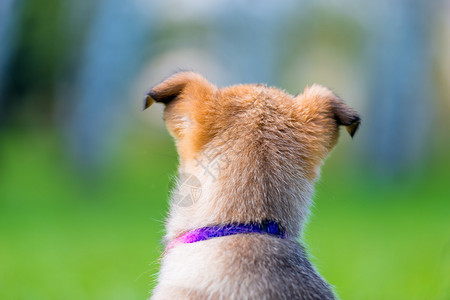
(209, 232)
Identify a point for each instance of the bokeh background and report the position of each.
(85, 173)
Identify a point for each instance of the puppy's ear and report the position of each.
(321, 105)
(176, 85)
(183, 95)
(346, 116)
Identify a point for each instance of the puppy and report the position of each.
(249, 156)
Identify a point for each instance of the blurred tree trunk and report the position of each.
(401, 106)
(32, 53)
(9, 17)
(114, 50)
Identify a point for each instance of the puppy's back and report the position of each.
(250, 266)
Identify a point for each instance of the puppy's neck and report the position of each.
(224, 184)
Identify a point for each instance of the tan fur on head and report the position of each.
(256, 150)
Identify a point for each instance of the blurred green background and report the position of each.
(85, 174)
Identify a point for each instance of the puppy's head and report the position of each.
(257, 119)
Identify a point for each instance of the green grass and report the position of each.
(378, 242)
(69, 235)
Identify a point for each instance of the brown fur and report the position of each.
(266, 148)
